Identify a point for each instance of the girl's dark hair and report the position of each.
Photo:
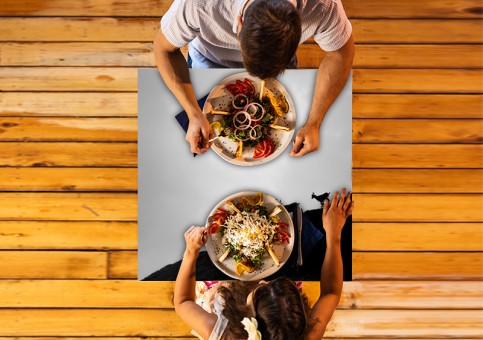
(280, 309)
(269, 37)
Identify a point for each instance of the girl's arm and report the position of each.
(184, 290)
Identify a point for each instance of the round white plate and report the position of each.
(215, 248)
(219, 99)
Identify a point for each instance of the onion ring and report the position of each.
(242, 123)
(236, 97)
(253, 112)
(235, 133)
(254, 130)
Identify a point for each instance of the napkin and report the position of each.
(183, 119)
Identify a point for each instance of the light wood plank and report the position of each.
(419, 266)
(452, 131)
(417, 181)
(68, 104)
(68, 79)
(134, 294)
(68, 129)
(417, 81)
(417, 237)
(52, 265)
(310, 55)
(68, 235)
(68, 179)
(135, 322)
(416, 156)
(354, 8)
(416, 106)
(68, 154)
(68, 207)
(418, 208)
(410, 31)
(123, 265)
(125, 79)
(401, 56)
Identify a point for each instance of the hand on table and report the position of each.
(199, 133)
(336, 212)
(306, 141)
(195, 238)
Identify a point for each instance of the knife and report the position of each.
(300, 259)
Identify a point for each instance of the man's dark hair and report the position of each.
(269, 37)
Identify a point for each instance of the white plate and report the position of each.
(267, 267)
(219, 99)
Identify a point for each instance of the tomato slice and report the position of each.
(233, 89)
(250, 87)
(260, 149)
(213, 228)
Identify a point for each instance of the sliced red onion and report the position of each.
(242, 120)
(240, 95)
(242, 139)
(252, 110)
(253, 132)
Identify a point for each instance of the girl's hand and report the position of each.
(195, 238)
(335, 213)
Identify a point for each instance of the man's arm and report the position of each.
(331, 275)
(331, 78)
(173, 68)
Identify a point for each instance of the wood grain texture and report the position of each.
(70, 235)
(419, 106)
(417, 236)
(418, 208)
(310, 54)
(58, 104)
(149, 294)
(68, 179)
(123, 265)
(68, 154)
(417, 156)
(417, 181)
(52, 265)
(424, 131)
(353, 8)
(68, 129)
(419, 266)
(68, 206)
(382, 31)
(146, 322)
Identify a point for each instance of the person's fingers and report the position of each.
(190, 229)
(297, 145)
(305, 150)
(335, 200)
(349, 210)
(342, 198)
(326, 207)
(347, 201)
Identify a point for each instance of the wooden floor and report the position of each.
(68, 179)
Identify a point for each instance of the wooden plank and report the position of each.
(68, 79)
(418, 266)
(418, 208)
(141, 55)
(411, 31)
(148, 322)
(68, 179)
(68, 129)
(150, 294)
(417, 181)
(52, 265)
(68, 154)
(399, 56)
(68, 207)
(417, 236)
(416, 156)
(417, 81)
(452, 131)
(68, 235)
(354, 8)
(416, 106)
(125, 79)
(414, 31)
(92, 104)
(123, 265)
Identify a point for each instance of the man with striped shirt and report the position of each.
(261, 36)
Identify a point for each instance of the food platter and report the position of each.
(220, 99)
(216, 248)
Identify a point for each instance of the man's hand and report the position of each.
(195, 238)
(333, 217)
(199, 133)
(306, 141)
